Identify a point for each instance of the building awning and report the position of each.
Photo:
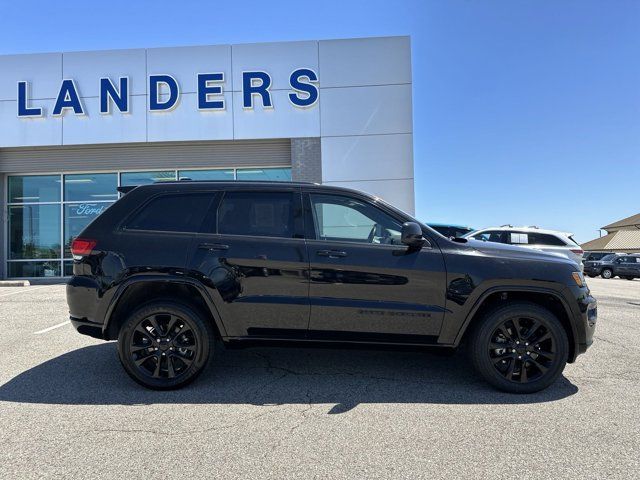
(622, 240)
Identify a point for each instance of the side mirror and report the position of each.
(411, 235)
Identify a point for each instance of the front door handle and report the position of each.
(331, 253)
(213, 246)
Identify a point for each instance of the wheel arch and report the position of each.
(546, 298)
(139, 291)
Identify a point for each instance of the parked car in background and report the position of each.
(550, 241)
(614, 265)
(450, 231)
(594, 256)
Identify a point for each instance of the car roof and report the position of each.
(449, 225)
(511, 228)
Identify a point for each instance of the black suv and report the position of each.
(172, 267)
(614, 265)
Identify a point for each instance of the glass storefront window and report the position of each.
(34, 231)
(34, 189)
(207, 174)
(34, 269)
(272, 174)
(46, 212)
(90, 187)
(76, 217)
(145, 178)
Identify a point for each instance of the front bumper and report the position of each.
(588, 320)
(592, 270)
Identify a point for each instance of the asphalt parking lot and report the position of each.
(67, 409)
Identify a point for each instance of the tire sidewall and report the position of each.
(201, 329)
(482, 337)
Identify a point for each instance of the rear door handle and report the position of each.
(213, 246)
(331, 253)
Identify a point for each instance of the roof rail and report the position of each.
(507, 225)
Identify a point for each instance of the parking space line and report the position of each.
(52, 328)
(25, 290)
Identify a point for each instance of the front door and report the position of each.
(364, 284)
(252, 257)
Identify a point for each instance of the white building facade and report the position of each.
(74, 126)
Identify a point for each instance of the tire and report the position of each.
(606, 273)
(534, 366)
(591, 275)
(629, 278)
(165, 345)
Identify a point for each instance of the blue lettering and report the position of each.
(155, 104)
(68, 98)
(23, 101)
(109, 92)
(250, 88)
(307, 88)
(205, 90)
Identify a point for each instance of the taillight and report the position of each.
(81, 247)
(578, 252)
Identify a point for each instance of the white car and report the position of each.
(550, 241)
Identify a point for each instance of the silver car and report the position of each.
(550, 241)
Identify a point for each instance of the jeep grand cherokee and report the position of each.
(172, 267)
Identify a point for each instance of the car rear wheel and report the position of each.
(519, 348)
(165, 345)
(629, 278)
(606, 273)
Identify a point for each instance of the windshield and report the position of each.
(608, 258)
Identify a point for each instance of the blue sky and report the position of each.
(525, 112)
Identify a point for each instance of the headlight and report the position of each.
(578, 277)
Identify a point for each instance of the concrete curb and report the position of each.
(14, 283)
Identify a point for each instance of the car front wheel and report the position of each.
(519, 348)
(165, 345)
(606, 273)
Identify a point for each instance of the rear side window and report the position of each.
(259, 214)
(545, 239)
(172, 213)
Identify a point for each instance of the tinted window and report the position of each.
(172, 213)
(545, 239)
(489, 236)
(608, 258)
(261, 214)
(348, 219)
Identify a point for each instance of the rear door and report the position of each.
(364, 284)
(252, 257)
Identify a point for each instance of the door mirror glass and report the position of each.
(411, 235)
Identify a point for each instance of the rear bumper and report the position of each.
(87, 328)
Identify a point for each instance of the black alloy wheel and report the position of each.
(165, 345)
(519, 347)
(522, 349)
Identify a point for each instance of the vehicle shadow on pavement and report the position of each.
(273, 376)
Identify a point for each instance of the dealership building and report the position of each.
(76, 125)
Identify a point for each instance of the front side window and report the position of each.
(339, 218)
(257, 214)
(172, 213)
(489, 236)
